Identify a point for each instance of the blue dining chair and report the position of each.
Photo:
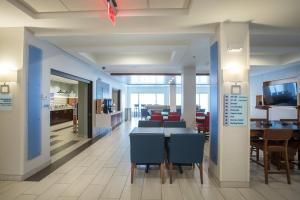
(173, 124)
(144, 113)
(147, 148)
(149, 123)
(186, 149)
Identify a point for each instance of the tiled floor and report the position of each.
(103, 172)
(63, 140)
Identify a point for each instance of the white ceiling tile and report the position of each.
(85, 5)
(167, 3)
(46, 6)
(132, 4)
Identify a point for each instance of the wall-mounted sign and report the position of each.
(6, 102)
(235, 110)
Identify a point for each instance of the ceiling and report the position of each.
(63, 80)
(158, 36)
(55, 6)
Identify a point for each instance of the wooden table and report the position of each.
(166, 131)
(257, 128)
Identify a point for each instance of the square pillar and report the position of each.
(229, 144)
(189, 95)
(172, 93)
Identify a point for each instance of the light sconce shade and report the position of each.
(233, 73)
(8, 76)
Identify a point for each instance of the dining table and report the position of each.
(257, 128)
(166, 131)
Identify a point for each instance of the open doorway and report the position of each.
(70, 113)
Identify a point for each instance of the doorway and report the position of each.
(70, 113)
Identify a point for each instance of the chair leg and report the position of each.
(286, 157)
(201, 172)
(147, 168)
(170, 172)
(266, 167)
(132, 171)
(257, 154)
(162, 173)
(299, 159)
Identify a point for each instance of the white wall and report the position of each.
(12, 123)
(13, 139)
(54, 58)
(276, 112)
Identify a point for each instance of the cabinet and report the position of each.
(61, 116)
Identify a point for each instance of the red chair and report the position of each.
(155, 113)
(200, 117)
(175, 118)
(204, 125)
(173, 113)
(157, 118)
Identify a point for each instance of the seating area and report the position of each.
(172, 145)
(278, 141)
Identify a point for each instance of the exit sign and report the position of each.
(111, 12)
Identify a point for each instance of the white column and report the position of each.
(189, 94)
(229, 152)
(172, 92)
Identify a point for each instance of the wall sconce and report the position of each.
(234, 74)
(7, 76)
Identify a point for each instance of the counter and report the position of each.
(59, 116)
(111, 120)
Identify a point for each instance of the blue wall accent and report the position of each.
(214, 99)
(34, 102)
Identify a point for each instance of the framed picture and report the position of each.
(236, 89)
(4, 89)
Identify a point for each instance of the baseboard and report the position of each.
(228, 184)
(35, 170)
(13, 177)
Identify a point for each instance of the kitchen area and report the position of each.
(67, 116)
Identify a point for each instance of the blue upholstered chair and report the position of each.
(166, 110)
(186, 149)
(144, 113)
(173, 124)
(147, 149)
(149, 123)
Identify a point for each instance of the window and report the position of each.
(160, 99)
(147, 98)
(134, 99)
(178, 99)
(203, 100)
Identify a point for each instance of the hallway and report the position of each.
(102, 171)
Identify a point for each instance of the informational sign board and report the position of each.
(235, 110)
(6, 102)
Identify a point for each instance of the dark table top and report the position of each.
(166, 131)
(257, 126)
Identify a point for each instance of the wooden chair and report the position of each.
(275, 140)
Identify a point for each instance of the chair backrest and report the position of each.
(172, 124)
(166, 110)
(175, 118)
(147, 148)
(186, 148)
(149, 123)
(144, 112)
(157, 117)
(199, 114)
(178, 110)
(173, 113)
(202, 110)
(278, 134)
